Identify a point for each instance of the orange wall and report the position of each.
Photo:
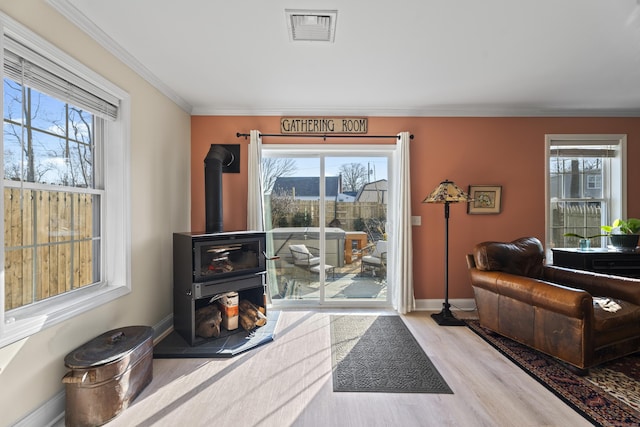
(467, 150)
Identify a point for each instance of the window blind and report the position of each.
(37, 72)
(587, 148)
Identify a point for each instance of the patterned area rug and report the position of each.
(379, 354)
(608, 396)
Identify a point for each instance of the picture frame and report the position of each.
(486, 199)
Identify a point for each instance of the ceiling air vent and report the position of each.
(311, 25)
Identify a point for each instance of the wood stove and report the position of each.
(206, 265)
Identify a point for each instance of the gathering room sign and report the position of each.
(323, 125)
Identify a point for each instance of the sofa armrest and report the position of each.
(565, 300)
(471, 263)
(603, 285)
(571, 302)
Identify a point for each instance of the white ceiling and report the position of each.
(400, 58)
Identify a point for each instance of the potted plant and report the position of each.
(585, 241)
(623, 233)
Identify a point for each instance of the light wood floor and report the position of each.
(288, 383)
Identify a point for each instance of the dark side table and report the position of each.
(620, 263)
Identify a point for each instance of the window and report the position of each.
(585, 186)
(302, 185)
(594, 182)
(65, 239)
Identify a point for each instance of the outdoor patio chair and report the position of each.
(307, 260)
(374, 258)
(303, 257)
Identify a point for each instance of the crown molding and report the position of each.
(457, 111)
(80, 20)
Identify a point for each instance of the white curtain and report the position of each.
(255, 200)
(402, 276)
(255, 203)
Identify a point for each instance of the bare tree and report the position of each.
(354, 176)
(31, 129)
(282, 207)
(76, 147)
(18, 127)
(272, 168)
(578, 168)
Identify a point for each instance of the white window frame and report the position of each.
(615, 189)
(321, 152)
(115, 259)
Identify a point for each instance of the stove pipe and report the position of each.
(217, 157)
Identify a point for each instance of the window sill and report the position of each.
(24, 322)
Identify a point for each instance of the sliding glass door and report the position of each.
(326, 218)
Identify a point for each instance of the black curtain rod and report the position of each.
(323, 136)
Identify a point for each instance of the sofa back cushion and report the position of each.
(523, 257)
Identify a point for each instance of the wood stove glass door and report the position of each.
(326, 217)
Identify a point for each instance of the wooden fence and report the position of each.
(348, 213)
(575, 218)
(48, 244)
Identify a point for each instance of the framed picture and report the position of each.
(486, 199)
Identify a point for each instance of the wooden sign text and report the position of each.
(323, 125)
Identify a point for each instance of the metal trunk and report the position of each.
(107, 374)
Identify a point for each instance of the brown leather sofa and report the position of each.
(554, 310)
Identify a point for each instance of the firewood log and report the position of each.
(246, 322)
(207, 320)
(245, 305)
(250, 315)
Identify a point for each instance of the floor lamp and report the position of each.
(447, 192)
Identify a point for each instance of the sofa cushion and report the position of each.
(628, 314)
(523, 257)
(613, 329)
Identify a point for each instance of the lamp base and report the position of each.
(446, 318)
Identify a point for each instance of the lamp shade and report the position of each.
(447, 192)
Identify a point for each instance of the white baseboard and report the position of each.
(51, 413)
(467, 304)
(162, 329)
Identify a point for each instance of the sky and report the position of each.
(310, 167)
(50, 125)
